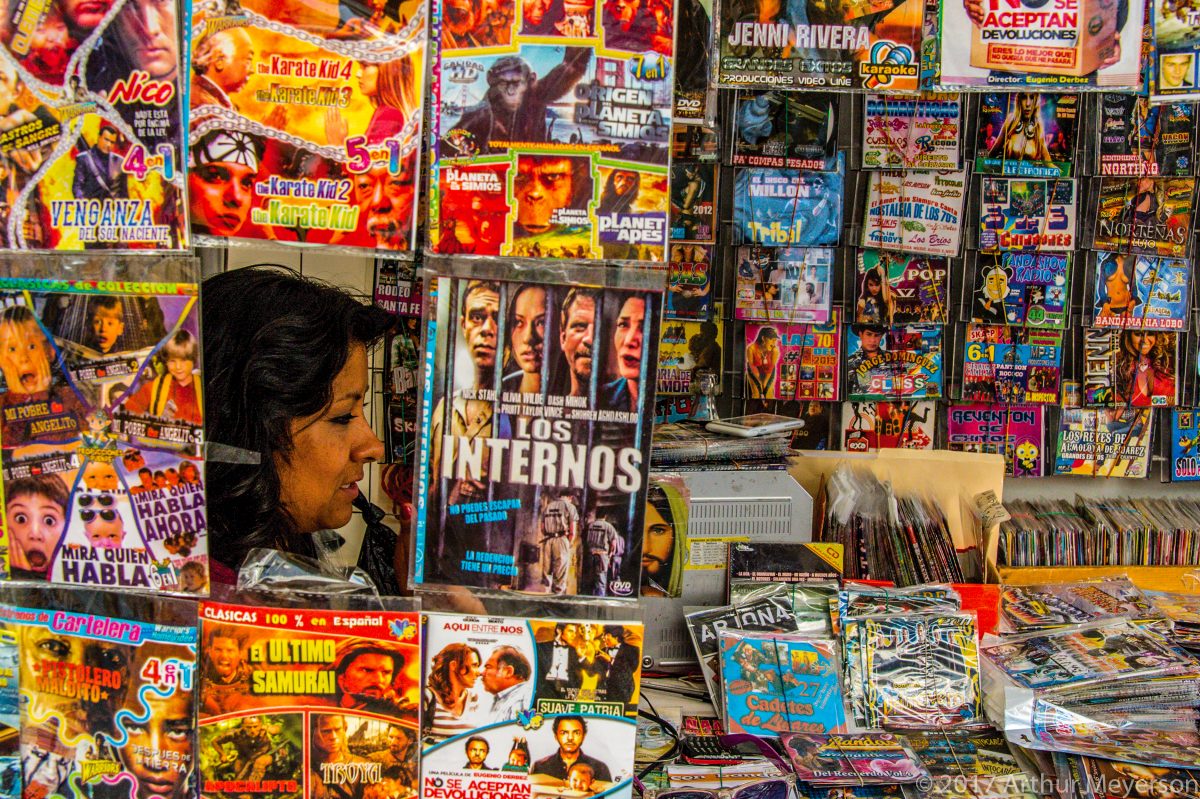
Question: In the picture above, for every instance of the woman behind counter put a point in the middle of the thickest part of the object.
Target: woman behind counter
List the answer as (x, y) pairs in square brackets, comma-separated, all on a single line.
[(285, 372)]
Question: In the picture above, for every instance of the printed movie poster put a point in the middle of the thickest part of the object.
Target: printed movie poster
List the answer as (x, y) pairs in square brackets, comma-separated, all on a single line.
[(784, 130), (788, 207), (1176, 50), (686, 347), (785, 284), (909, 211), (554, 119), (305, 120), (1104, 442), (1141, 291), (548, 708), (1007, 365), (847, 44), (91, 132), (102, 432), (1022, 288), (789, 361), (1092, 44), (105, 700), (695, 95), (1145, 215), (399, 290), (308, 703), (872, 426), (1030, 214), (913, 131), (1137, 368), (896, 289), (1017, 432), (694, 201), (894, 363), (537, 399), (689, 281), (1138, 139), (1185, 436), (1027, 134)]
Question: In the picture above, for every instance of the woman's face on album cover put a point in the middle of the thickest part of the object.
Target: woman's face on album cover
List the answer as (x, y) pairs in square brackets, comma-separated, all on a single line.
[(330, 450), (627, 339)]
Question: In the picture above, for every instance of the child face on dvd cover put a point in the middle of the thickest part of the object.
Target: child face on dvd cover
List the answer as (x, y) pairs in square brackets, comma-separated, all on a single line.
[(36, 515), (329, 453), (25, 353)]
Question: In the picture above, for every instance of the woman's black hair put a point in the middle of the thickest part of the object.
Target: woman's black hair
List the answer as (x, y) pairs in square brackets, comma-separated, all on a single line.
[(273, 343)]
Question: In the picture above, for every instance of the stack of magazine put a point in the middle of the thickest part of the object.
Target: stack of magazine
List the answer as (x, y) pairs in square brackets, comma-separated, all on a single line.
[(1101, 532), (680, 444), (902, 539)]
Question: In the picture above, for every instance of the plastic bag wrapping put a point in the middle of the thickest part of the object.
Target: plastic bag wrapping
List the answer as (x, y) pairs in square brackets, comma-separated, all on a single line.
[(270, 571), (1110, 689)]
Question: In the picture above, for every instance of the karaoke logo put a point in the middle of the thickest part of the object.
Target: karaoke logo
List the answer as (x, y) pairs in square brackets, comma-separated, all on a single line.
[(887, 60)]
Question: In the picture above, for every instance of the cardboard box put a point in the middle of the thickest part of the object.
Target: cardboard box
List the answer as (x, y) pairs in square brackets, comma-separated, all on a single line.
[(1063, 37)]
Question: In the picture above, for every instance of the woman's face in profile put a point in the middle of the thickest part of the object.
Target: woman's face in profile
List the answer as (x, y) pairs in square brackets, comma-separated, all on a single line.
[(318, 481)]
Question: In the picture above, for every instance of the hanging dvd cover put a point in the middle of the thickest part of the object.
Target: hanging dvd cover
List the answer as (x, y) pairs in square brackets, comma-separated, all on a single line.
[(689, 281), (1022, 289), (788, 207), (1139, 139), (93, 139), (784, 130), (1022, 43), (548, 709), (1145, 215), (304, 702), (1026, 134), (1130, 368), (1185, 438), (305, 121), (107, 693), (693, 201), (913, 132), (1141, 291), (894, 363), (917, 212), (848, 45), (793, 361), (695, 96), (1014, 431), (537, 397), (1011, 365), (102, 432), (1104, 442), (785, 284), (1174, 55), (896, 289), (686, 347), (1027, 214), (554, 119), (872, 426)]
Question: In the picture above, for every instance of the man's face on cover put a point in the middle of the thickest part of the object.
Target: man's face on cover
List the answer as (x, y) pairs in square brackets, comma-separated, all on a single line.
[(570, 736), (369, 674), (480, 323), (576, 338), (159, 750), (535, 10), (477, 752), (870, 339), (24, 359), (1175, 69), (221, 193), (147, 29), (659, 541), (84, 15), (542, 187), (331, 735), (225, 656), (387, 200)]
